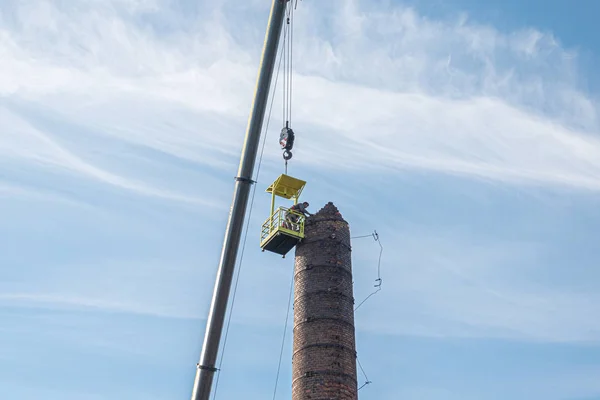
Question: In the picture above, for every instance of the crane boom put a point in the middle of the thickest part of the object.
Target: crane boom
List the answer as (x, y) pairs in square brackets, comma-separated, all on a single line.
[(214, 326)]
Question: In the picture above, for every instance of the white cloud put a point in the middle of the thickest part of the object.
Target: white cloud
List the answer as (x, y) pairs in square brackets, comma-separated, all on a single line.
[(386, 90)]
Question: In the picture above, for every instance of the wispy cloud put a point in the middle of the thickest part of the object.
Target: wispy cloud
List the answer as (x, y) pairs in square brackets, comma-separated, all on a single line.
[(66, 302), (22, 142), (451, 285), (509, 110)]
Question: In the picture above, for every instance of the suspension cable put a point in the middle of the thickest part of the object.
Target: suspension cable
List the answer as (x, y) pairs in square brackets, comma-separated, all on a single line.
[(291, 72), (284, 78), (286, 138)]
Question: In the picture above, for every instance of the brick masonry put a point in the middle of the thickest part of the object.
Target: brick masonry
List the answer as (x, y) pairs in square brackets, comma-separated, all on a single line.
[(324, 352)]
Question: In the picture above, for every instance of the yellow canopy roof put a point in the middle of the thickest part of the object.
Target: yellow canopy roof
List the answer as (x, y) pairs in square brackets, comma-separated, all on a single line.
[(287, 187)]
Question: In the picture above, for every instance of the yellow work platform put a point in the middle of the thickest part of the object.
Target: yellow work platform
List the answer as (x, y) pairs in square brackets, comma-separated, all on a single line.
[(284, 228)]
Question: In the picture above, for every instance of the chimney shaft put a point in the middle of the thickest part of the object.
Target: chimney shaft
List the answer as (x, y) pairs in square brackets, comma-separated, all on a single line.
[(324, 352)]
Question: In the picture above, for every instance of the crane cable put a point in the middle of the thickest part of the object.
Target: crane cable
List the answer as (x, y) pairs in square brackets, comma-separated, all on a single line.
[(286, 137), (286, 140)]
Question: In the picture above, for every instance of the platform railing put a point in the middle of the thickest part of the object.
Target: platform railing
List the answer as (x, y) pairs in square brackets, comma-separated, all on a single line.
[(279, 222)]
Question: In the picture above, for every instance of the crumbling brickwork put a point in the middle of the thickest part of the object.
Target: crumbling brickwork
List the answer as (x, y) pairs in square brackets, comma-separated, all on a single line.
[(324, 353)]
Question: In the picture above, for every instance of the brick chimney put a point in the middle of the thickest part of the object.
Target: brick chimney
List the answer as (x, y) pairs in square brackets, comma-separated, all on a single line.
[(324, 353)]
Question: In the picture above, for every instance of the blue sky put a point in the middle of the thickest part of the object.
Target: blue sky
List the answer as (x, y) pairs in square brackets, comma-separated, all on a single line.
[(467, 135)]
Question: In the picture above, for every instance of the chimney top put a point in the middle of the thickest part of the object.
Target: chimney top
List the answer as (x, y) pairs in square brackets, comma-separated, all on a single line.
[(329, 212)]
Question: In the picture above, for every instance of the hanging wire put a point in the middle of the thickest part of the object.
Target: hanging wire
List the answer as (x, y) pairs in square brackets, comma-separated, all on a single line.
[(367, 381), (287, 316), (377, 285), (363, 236), (378, 281), (266, 131)]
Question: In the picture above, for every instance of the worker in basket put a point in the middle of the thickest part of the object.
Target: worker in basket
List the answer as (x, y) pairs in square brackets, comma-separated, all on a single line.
[(291, 220)]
